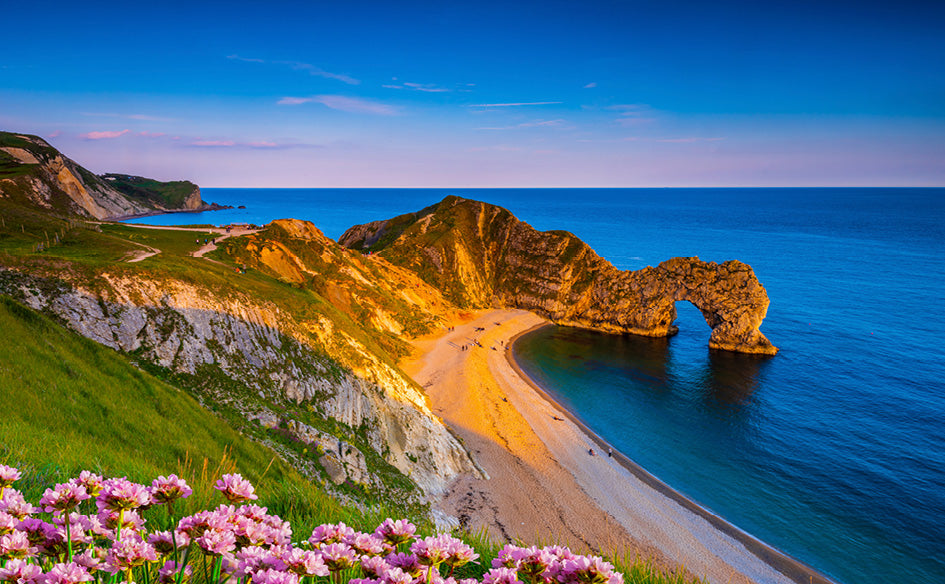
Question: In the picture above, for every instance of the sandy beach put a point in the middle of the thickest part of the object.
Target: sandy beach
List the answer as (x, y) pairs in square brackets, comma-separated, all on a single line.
[(544, 484)]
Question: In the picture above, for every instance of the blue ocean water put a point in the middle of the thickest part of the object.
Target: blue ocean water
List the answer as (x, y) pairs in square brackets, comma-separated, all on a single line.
[(833, 450)]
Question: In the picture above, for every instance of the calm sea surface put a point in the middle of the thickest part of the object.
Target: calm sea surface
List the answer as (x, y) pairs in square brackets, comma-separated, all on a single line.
[(833, 450)]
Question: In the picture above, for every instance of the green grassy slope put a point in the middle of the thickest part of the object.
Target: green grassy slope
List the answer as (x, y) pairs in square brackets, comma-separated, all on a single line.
[(71, 404), (170, 195)]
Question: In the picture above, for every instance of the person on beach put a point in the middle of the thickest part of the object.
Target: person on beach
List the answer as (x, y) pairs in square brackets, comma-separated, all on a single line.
[(590, 451)]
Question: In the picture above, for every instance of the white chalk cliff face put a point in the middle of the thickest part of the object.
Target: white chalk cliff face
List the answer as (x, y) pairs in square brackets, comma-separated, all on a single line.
[(275, 359)]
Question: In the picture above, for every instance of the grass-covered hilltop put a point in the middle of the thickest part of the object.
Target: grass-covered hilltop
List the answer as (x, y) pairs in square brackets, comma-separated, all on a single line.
[(272, 354)]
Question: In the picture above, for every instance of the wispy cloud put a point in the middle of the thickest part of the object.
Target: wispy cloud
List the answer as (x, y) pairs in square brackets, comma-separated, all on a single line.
[(152, 134), (633, 113), (344, 103), (557, 123), (295, 100), (244, 59), (104, 135), (515, 104), (55, 134), (591, 85), (425, 87), (213, 143), (301, 66)]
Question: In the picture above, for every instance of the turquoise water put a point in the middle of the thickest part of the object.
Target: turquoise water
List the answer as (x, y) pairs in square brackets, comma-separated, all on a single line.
[(833, 450)]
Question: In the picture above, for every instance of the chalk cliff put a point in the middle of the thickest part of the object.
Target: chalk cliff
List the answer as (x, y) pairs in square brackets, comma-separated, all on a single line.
[(480, 255), (266, 365)]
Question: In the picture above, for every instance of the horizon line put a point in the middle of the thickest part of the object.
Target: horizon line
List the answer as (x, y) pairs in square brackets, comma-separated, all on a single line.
[(591, 187)]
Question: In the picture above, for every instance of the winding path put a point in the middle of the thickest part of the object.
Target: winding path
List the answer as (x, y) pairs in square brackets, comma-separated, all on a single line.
[(198, 253)]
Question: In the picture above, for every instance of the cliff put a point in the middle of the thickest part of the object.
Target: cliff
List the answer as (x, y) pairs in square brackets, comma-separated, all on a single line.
[(173, 195), (480, 255), (35, 174)]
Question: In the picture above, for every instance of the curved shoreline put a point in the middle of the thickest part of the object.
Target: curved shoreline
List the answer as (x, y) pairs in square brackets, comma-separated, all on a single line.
[(792, 568)]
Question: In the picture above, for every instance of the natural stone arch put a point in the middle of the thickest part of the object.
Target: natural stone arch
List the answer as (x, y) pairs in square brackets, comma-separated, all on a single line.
[(729, 296)]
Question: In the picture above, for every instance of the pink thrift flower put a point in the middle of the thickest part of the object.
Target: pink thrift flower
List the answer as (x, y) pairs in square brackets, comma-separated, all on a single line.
[(305, 563), (215, 542), (70, 573), (170, 488), (328, 533), (89, 560), (275, 577), (79, 527), (533, 561), (397, 576), (460, 554), (8, 476), (396, 532), (19, 571), (432, 551), (366, 544), (16, 545), (508, 557), (63, 498), (338, 556), (500, 576), (7, 522), (130, 551), (109, 519), (122, 495), (587, 570), (374, 567), (92, 482), (15, 504), (406, 562), (235, 488)]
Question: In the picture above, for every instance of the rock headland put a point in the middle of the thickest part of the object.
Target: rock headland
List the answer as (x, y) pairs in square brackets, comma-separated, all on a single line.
[(479, 255)]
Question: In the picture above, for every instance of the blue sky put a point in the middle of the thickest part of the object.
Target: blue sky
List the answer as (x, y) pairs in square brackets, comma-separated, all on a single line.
[(485, 93)]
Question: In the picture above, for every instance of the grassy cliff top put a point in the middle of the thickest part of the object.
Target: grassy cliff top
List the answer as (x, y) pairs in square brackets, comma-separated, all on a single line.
[(170, 195)]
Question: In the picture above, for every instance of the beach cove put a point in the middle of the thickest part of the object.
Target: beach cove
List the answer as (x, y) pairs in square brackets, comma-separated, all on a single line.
[(552, 480)]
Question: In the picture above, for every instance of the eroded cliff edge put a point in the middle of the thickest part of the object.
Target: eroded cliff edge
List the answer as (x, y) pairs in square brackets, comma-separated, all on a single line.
[(480, 255)]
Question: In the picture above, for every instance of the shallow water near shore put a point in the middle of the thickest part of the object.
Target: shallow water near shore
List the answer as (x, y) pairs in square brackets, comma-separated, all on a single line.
[(833, 450)]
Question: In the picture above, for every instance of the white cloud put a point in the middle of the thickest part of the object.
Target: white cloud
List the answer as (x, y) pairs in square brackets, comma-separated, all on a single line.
[(557, 123), (213, 143), (104, 135), (591, 85), (301, 66), (516, 104), (344, 103)]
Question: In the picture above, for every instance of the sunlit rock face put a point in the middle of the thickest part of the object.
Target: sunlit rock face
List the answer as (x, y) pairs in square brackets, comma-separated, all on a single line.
[(480, 255)]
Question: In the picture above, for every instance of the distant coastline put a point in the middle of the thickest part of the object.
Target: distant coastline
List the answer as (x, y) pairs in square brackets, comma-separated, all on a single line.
[(783, 563), (210, 207)]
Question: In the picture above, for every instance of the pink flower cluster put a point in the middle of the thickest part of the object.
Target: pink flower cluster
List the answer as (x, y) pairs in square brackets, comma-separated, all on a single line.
[(242, 543), (547, 565)]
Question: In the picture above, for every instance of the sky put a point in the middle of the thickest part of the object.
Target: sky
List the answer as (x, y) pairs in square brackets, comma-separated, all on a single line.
[(484, 94)]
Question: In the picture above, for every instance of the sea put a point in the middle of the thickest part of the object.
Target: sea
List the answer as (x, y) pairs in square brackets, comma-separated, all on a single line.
[(833, 450)]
